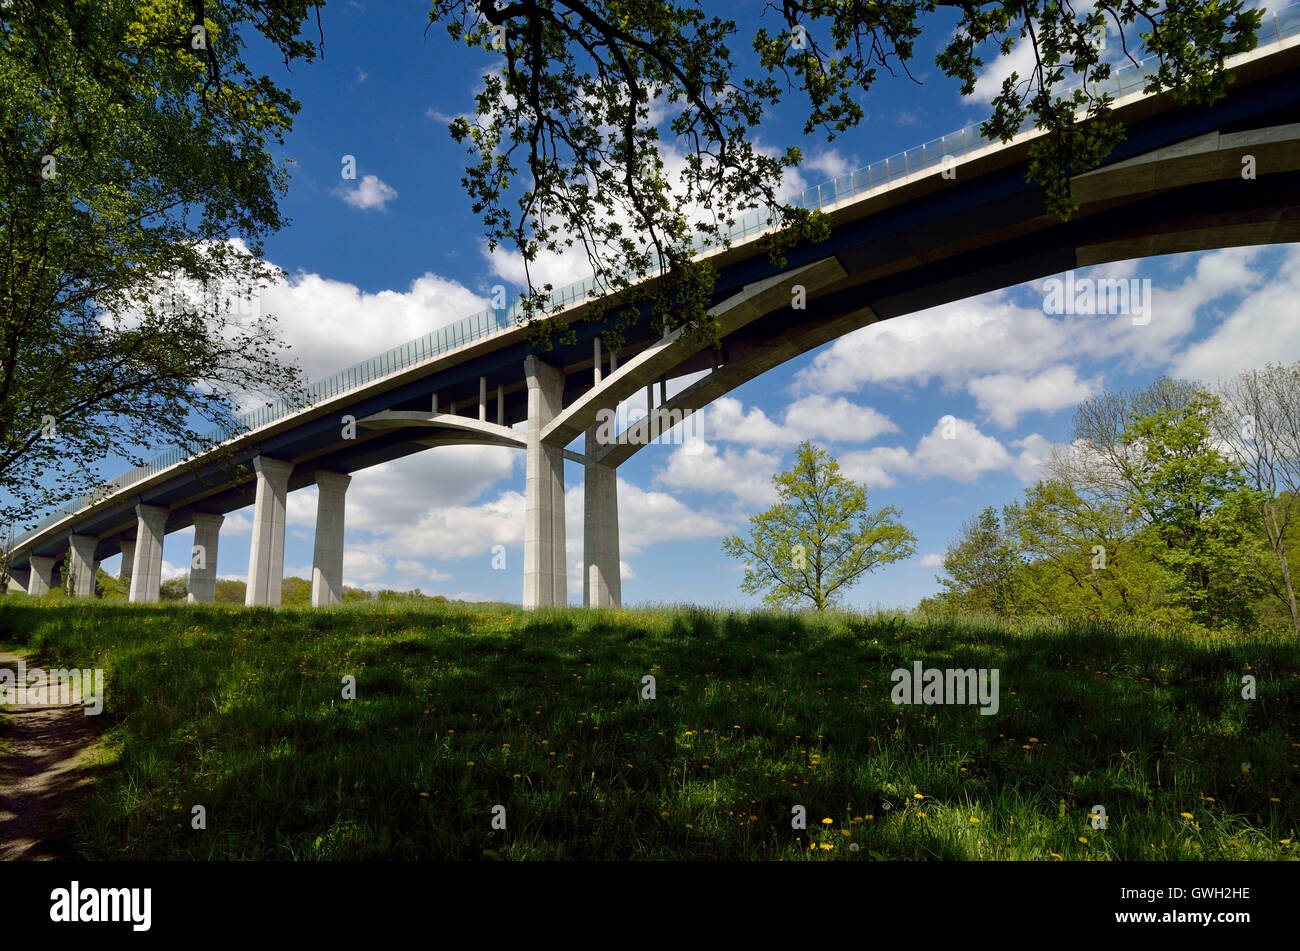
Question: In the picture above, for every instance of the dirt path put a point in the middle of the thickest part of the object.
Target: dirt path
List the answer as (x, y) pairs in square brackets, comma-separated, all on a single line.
[(44, 775)]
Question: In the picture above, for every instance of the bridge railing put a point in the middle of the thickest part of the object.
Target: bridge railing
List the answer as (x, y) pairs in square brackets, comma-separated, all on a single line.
[(1276, 26)]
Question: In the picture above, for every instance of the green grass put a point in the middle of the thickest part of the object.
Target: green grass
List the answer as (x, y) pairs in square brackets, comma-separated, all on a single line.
[(460, 709)]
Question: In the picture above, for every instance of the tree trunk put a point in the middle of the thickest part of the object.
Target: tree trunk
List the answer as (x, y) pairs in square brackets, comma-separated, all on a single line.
[(1278, 544)]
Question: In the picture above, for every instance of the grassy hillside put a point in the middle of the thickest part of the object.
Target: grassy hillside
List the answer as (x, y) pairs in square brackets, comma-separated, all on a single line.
[(461, 709)]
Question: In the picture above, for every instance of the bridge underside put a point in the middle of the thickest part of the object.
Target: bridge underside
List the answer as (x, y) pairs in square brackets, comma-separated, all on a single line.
[(1176, 185)]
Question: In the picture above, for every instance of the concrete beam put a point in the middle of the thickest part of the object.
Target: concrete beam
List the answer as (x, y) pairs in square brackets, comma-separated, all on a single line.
[(327, 558), (146, 567), (42, 576), (663, 356), (266, 557), (203, 559), (545, 581), (403, 419), (1206, 158), (81, 564), (758, 360)]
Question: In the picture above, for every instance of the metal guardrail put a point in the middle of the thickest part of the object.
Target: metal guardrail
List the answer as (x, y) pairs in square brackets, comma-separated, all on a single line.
[(1283, 24)]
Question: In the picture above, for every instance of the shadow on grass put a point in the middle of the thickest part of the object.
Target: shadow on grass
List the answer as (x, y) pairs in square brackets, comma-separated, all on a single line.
[(460, 710)]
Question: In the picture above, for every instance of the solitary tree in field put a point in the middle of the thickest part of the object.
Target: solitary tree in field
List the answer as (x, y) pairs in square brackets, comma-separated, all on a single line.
[(820, 538)]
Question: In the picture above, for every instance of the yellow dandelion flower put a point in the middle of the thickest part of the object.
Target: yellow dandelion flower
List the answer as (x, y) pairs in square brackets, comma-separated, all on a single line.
[(1083, 839), (974, 820), (1185, 815), (827, 822), (917, 796), (826, 846)]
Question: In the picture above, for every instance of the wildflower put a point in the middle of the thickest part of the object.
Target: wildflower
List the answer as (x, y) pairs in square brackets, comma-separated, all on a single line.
[(1083, 839)]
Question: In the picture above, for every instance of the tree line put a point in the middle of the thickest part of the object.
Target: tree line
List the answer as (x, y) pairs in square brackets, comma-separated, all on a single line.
[(1177, 502)]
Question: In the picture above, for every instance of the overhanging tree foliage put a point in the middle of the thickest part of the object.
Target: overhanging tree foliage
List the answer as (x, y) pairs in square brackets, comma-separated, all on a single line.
[(135, 147), (567, 142)]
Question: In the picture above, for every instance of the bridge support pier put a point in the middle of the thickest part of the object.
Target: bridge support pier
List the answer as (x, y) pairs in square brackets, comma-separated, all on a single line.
[(128, 559), (601, 584), (146, 567), (327, 559), (203, 575), (266, 555), (42, 577), (82, 564), (545, 581)]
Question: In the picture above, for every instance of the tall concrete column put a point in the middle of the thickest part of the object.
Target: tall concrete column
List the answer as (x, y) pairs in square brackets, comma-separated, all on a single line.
[(42, 579), (203, 558), (601, 585), (146, 567), (266, 557), (82, 564), (327, 560), (544, 558), (128, 559)]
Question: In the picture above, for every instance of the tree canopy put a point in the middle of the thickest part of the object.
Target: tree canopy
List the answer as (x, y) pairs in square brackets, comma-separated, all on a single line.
[(137, 182), (820, 538), (1174, 502)]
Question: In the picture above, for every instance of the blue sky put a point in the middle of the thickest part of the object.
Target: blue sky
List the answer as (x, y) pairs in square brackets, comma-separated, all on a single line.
[(397, 252)]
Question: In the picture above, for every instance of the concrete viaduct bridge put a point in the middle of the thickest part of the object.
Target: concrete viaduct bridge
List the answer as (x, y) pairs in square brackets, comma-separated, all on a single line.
[(941, 222)]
